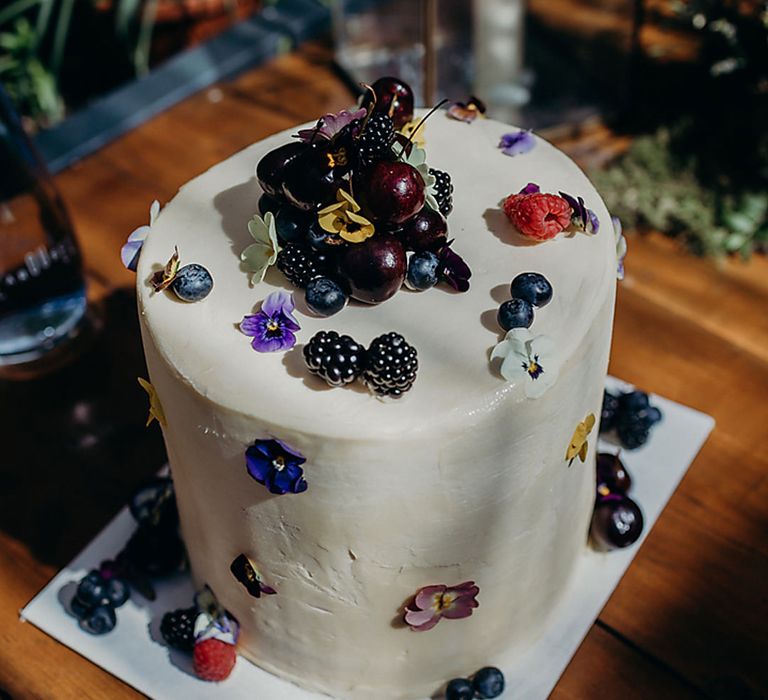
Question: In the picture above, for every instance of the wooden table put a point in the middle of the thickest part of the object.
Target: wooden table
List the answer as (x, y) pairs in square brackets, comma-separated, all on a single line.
[(689, 618)]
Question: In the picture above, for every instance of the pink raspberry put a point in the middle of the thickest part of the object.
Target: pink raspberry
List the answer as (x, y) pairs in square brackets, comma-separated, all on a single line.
[(539, 216)]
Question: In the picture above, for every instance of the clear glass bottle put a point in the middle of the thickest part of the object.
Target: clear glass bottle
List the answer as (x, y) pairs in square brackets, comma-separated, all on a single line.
[(42, 292)]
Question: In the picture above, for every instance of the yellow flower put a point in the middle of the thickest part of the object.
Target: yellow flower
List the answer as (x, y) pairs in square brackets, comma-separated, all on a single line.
[(155, 407), (344, 220), (578, 447), (162, 279), (414, 130)]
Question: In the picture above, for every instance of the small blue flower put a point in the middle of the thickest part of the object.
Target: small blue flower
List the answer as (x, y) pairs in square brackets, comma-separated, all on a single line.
[(621, 247), (273, 327), (131, 250), (277, 466), (517, 143)]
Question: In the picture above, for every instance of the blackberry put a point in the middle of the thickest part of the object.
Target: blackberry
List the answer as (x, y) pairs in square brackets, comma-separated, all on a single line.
[(633, 430), (300, 265), (336, 358), (177, 628), (443, 190), (375, 141), (392, 365), (609, 412)]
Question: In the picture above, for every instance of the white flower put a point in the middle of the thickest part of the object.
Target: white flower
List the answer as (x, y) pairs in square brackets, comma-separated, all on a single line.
[(130, 251), (621, 247), (258, 256), (529, 359)]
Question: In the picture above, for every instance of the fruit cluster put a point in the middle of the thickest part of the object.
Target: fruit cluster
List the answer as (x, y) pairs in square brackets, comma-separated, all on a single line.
[(488, 682), (631, 415), (529, 290), (96, 599), (617, 520), (349, 207), (388, 367)]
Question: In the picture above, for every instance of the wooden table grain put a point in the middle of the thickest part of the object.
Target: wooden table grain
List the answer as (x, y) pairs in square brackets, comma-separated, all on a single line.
[(689, 618)]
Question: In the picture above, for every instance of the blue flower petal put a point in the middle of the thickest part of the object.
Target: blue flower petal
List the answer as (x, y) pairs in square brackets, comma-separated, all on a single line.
[(517, 143)]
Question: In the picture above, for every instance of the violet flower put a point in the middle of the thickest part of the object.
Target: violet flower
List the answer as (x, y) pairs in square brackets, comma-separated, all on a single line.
[(621, 247), (273, 327), (433, 603), (530, 188), (245, 571), (213, 621), (583, 218), (277, 466), (330, 124), (517, 143), (453, 269), (131, 249)]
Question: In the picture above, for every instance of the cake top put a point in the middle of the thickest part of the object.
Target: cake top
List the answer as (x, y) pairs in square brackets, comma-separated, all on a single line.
[(454, 333)]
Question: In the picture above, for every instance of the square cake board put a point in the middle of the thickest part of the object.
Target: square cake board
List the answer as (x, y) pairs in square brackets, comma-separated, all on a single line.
[(135, 652)]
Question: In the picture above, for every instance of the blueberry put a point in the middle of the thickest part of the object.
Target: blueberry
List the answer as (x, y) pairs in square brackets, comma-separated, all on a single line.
[(515, 313), (459, 689), (92, 590), (193, 283), (652, 415), (80, 609), (532, 287), (488, 682), (609, 412), (325, 296), (633, 401), (118, 591), (323, 241), (633, 430), (268, 203), (293, 224), (422, 271), (102, 619)]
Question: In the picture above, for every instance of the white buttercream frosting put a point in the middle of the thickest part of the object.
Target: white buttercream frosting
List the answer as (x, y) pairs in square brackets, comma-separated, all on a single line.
[(464, 478)]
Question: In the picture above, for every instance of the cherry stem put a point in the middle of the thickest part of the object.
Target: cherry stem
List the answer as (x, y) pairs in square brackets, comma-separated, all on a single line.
[(421, 123), (373, 106)]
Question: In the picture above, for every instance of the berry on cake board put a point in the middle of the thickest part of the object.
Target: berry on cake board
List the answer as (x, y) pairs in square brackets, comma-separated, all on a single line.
[(631, 416), (338, 359)]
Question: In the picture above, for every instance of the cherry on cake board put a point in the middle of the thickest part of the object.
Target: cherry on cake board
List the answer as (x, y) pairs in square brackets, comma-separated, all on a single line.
[(135, 652)]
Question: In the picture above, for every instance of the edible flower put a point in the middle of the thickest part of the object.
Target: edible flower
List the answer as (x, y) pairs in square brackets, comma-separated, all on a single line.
[(529, 359), (344, 220), (245, 571), (579, 446), (277, 466), (272, 328), (621, 247), (213, 621), (433, 603), (329, 125), (466, 112), (162, 279), (131, 249), (452, 268), (582, 218), (258, 256), (517, 142), (155, 407)]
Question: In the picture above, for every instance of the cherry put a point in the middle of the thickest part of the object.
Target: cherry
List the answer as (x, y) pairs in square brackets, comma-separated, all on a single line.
[(428, 230), (391, 192), (271, 168), (617, 522), (393, 97), (612, 476), (311, 180), (375, 269)]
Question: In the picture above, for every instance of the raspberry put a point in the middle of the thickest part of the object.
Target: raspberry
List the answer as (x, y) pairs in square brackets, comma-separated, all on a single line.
[(392, 365), (336, 358), (375, 141), (443, 190), (539, 216), (213, 659), (300, 265), (177, 628)]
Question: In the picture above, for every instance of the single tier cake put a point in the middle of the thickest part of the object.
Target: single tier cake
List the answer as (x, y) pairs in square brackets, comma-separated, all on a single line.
[(418, 538)]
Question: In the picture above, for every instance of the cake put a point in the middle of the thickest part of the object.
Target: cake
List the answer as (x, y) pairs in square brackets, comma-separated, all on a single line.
[(469, 486)]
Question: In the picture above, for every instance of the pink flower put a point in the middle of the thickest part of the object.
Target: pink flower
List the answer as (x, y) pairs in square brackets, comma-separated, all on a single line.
[(539, 216), (432, 603)]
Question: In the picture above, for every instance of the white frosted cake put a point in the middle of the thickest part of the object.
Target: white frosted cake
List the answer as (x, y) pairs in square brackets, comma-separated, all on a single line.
[(466, 478)]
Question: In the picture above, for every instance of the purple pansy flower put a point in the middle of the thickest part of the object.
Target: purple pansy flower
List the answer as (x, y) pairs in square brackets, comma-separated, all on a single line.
[(131, 250), (621, 247), (530, 188), (584, 218), (453, 269), (245, 571), (517, 142), (433, 603), (330, 124), (277, 466), (273, 327), (213, 621)]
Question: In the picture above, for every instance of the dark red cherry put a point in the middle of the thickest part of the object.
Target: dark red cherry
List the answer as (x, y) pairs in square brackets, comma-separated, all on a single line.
[(617, 522), (271, 168), (393, 97), (428, 230), (375, 269), (391, 192), (311, 180), (612, 476)]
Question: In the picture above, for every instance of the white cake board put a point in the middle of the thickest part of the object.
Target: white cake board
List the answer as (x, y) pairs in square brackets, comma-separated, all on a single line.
[(135, 653)]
